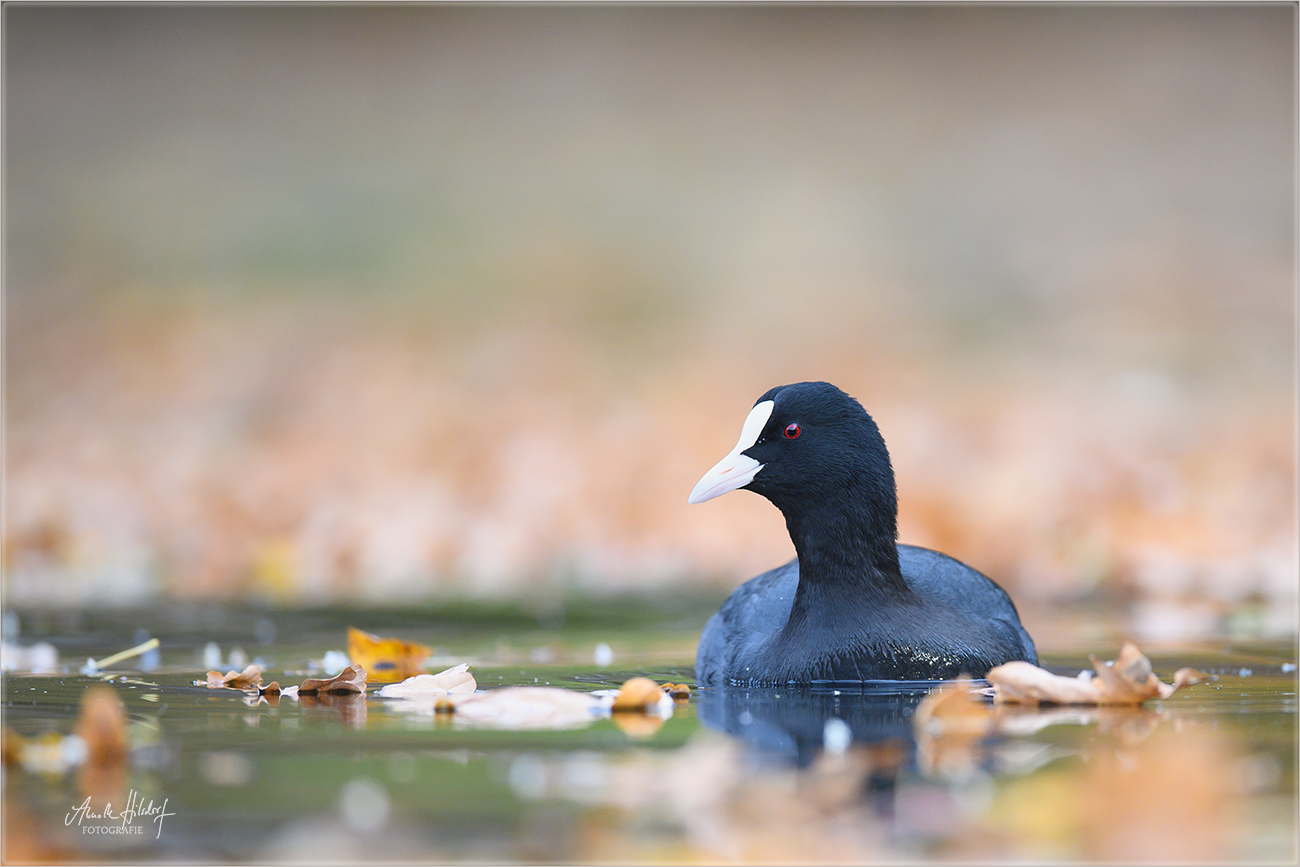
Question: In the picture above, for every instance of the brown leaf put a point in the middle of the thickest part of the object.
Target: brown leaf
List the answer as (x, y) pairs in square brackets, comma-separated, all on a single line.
[(347, 708), (102, 726), (1129, 680), (678, 691), (639, 693), (11, 747), (349, 681), (951, 724), (386, 659), (953, 709), (249, 678)]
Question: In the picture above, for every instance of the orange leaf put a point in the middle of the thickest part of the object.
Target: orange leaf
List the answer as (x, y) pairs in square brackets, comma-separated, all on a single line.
[(639, 693), (951, 724), (349, 681), (387, 659), (678, 691), (953, 709)]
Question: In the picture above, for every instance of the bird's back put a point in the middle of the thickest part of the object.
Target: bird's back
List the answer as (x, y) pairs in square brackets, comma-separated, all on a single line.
[(961, 621)]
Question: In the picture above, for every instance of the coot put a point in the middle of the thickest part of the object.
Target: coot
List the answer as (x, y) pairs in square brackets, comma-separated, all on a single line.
[(853, 605)]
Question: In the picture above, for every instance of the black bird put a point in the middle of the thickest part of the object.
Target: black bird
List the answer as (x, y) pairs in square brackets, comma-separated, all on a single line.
[(853, 605)]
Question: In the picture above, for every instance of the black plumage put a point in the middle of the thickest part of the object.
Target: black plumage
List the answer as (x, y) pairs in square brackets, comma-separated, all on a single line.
[(853, 605)]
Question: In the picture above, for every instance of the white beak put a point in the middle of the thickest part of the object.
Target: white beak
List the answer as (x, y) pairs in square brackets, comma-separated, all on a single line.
[(735, 470)]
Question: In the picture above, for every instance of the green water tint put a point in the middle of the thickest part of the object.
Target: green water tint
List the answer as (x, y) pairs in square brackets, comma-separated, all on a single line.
[(739, 775)]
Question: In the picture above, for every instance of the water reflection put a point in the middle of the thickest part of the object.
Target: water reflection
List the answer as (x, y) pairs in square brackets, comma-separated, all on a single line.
[(792, 725), (347, 709)]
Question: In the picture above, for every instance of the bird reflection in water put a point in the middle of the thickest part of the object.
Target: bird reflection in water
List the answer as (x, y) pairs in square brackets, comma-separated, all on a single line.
[(794, 726)]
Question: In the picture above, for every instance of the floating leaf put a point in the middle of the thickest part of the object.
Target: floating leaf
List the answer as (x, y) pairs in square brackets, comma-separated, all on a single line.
[(639, 693), (456, 680), (249, 678), (528, 707), (678, 691), (349, 681), (1128, 680), (386, 659)]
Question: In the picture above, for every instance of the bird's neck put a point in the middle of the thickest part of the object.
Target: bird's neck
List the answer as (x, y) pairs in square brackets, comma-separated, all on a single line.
[(847, 559)]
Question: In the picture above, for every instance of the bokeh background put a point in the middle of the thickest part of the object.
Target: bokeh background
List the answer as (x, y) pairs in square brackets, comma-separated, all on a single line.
[(308, 305)]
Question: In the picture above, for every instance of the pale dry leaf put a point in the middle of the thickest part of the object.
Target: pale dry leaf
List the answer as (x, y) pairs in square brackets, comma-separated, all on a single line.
[(1025, 683), (1129, 680), (454, 681), (528, 707)]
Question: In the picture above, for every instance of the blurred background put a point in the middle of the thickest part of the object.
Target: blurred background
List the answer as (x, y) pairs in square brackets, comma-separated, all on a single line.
[(308, 305)]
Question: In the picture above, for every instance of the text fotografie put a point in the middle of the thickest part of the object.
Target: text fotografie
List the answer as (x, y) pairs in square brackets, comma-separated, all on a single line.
[(136, 808)]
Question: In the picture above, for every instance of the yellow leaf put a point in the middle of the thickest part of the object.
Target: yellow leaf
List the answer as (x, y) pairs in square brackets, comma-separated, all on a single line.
[(386, 659)]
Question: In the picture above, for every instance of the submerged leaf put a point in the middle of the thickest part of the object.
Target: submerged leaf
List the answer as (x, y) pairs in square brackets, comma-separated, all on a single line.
[(454, 680), (386, 659), (350, 681), (951, 724), (102, 726), (249, 678), (952, 709), (1128, 680)]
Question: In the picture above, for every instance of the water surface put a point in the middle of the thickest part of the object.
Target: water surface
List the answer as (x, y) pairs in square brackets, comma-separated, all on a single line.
[(753, 775)]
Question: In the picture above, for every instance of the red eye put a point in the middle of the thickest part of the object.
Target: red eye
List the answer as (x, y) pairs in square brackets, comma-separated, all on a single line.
[(791, 431)]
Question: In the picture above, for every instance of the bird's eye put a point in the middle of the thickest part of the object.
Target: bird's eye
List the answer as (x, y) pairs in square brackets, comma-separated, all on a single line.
[(792, 430)]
